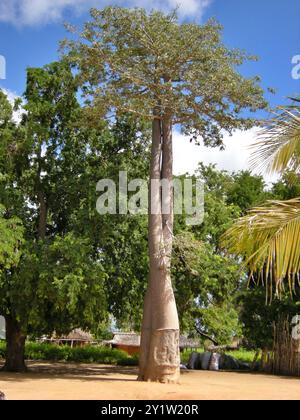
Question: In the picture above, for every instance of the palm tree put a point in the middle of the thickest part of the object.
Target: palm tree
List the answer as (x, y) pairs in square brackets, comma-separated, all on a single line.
[(268, 237)]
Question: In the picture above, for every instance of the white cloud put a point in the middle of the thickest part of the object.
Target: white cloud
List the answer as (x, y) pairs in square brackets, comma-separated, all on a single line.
[(11, 96), (37, 12), (235, 157)]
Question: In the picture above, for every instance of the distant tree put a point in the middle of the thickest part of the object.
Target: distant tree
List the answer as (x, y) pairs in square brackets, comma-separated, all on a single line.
[(219, 214), (284, 189), (151, 66), (247, 191), (206, 286), (258, 319)]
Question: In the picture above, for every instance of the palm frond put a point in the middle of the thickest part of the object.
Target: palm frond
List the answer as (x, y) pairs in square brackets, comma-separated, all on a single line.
[(269, 240), (277, 148)]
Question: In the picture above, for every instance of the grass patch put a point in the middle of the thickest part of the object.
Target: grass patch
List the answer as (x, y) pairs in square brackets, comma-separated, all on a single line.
[(185, 355), (243, 355), (87, 354)]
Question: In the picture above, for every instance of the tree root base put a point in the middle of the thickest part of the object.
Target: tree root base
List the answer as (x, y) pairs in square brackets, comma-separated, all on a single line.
[(22, 369)]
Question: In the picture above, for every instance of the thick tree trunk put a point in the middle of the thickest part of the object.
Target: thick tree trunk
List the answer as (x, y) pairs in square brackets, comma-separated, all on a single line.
[(159, 360), (15, 347)]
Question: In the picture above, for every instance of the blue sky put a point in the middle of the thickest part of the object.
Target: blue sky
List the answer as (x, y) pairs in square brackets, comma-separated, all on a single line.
[(268, 28), (30, 31)]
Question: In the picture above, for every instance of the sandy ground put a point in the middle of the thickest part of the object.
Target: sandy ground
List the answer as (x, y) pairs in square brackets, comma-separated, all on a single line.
[(61, 381)]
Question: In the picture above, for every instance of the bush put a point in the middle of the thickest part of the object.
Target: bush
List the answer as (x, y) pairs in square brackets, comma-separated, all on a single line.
[(87, 354), (2, 349)]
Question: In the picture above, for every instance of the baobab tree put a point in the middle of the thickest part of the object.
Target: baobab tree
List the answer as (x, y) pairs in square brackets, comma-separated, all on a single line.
[(151, 66)]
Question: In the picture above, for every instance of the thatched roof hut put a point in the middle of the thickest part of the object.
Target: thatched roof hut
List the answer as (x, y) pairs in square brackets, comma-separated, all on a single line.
[(76, 338), (129, 342), (188, 343)]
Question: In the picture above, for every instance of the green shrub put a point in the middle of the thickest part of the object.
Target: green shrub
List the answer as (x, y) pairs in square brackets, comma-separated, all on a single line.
[(242, 355), (129, 360), (2, 349), (87, 354)]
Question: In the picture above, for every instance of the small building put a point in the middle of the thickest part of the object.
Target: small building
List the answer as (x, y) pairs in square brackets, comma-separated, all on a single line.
[(130, 342), (76, 338)]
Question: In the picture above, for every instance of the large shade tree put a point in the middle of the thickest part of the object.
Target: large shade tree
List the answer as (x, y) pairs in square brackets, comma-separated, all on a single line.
[(51, 278), (156, 68), (62, 266)]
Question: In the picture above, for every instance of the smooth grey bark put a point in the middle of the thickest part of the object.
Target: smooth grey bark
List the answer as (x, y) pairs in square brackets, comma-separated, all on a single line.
[(159, 359)]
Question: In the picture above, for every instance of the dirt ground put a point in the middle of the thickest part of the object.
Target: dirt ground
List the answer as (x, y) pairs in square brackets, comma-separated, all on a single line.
[(61, 381)]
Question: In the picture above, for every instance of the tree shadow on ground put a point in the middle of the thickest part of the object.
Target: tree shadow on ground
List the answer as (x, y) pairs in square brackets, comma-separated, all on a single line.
[(72, 371), (83, 372)]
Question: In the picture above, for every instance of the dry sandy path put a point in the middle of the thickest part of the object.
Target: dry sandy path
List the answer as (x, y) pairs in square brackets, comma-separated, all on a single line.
[(50, 381)]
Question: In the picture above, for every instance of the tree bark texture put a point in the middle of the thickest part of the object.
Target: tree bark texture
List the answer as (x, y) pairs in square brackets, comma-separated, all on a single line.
[(15, 347), (159, 356)]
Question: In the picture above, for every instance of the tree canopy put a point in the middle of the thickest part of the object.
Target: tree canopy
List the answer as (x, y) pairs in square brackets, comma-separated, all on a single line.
[(131, 61)]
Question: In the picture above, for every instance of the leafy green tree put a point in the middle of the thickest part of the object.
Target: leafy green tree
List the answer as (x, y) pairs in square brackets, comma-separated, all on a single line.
[(247, 191), (219, 214), (76, 266), (284, 189), (121, 238), (152, 67), (11, 234), (58, 282), (206, 284), (258, 318)]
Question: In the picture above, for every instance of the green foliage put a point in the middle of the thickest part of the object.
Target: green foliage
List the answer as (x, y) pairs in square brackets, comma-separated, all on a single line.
[(87, 354), (247, 190), (148, 65), (86, 267), (58, 272), (205, 280), (11, 238), (218, 212), (284, 189), (258, 317), (131, 61), (277, 148), (205, 285), (103, 355), (268, 236), (77, 268), (221, 322)]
